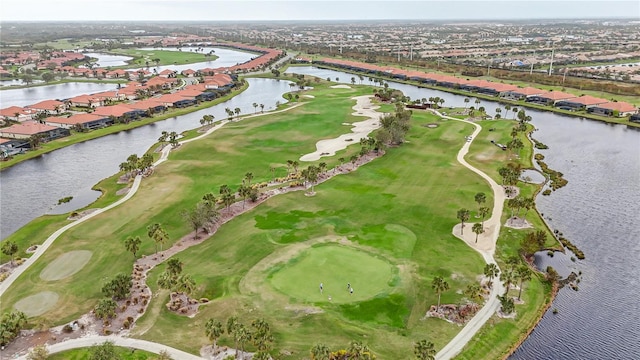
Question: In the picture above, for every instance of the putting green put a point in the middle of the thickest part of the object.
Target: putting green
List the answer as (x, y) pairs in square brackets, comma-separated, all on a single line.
[(334, 266), (37, 304), (66, 265)]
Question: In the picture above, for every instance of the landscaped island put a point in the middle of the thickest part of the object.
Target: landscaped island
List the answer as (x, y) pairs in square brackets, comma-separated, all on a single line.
[(362, 261)]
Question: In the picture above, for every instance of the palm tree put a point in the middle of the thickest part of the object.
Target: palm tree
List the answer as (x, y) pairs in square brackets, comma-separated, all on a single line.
[(157, 234), (441, 102), (507, 108), (466, 101), (439, 285), (185, 284), (213, 329), (243, 335), (248, 177), (523, 274), (480, 198), (463, 215), (508, 277), (491, 271), (237, 112), (320, 352), (262, 108), (133, 245), (483, 211), (477, 229), (424, 350), (9, 248), (473, 292)]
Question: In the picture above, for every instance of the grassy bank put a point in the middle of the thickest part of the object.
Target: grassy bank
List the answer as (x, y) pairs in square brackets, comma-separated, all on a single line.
[(159, 57)]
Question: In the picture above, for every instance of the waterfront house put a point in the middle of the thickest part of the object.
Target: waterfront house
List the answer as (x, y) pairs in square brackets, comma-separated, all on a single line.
[(29, 128), (549, 98), (579, 103), (85, 101), (17, 113), (150, 106), (84, 121), (635, 118), (48, 107), (166, 73), (116, 74), (176, 100), (10, 147), (522, 93), (620, 109), (119, 112), (188, 73)]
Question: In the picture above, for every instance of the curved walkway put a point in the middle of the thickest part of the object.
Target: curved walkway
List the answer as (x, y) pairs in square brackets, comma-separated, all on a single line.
[(486, 246), (118, 341)]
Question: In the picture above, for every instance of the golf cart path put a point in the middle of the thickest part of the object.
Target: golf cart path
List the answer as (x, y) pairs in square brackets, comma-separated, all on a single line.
[(486, 246), (89, 341)]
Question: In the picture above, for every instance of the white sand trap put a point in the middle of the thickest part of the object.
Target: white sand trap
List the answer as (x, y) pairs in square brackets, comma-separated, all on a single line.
[(341, 86), (37, 304), (309, 96), (360, 130), (66, 265)]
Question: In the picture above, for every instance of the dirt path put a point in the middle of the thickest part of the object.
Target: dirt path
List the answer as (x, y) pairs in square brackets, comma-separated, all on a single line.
[(486, 246)]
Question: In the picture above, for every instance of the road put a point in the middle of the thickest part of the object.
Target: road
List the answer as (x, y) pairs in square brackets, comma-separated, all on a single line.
[(486, 246)]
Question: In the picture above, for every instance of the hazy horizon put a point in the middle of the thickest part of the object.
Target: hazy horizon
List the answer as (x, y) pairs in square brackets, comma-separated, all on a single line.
[(313, 10)]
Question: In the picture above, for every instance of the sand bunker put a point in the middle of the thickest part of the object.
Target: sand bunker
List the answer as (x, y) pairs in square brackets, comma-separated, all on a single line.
[(37, 304), (309, 96), (340, 87), (66, 265), (360, 130)]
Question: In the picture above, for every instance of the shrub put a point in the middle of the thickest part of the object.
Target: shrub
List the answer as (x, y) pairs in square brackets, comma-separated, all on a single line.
[(67, 329)]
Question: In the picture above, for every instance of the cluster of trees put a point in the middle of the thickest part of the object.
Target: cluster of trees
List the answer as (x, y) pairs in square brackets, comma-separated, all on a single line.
[(173, 279), (115, 289), (155, 232), (10, 326), (171, 137), (356, 350), (510, 174), (518, 203), (394, 126), (515, 272), (137, 164), (207, 120), (259, 334), (532, 242), (231, 113)]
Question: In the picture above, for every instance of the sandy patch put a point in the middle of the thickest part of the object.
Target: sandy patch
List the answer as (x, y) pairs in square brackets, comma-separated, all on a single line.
[(309, 96), (517, 223), (359, 130), (66, 265), (341, 86), (37, 304)]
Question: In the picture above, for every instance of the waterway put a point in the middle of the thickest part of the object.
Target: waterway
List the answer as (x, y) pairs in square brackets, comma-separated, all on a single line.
[(226, 58), (598, 211), (32, 188), (108, 60), (32, 95)]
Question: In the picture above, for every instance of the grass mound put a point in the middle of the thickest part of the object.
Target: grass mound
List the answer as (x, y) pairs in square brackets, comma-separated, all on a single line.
[(66, 265)]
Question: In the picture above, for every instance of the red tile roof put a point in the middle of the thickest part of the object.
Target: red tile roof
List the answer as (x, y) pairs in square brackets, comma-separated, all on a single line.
[(46, 105), (114, 110), (528, 91), (27, 128), (589, 100), (557, 95), (74, 119), (620, 106), (12, 110)]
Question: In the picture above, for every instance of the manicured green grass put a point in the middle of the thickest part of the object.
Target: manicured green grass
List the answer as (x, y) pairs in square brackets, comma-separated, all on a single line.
[(334, 266), (166, 57), (83, 354)]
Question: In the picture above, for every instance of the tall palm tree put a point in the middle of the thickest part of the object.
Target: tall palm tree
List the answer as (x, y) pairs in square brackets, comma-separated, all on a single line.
[(473, 291), (261, 108), (491, 271), (133, 245), (157, 234), (248, 177), (237, 111), (480, 198), (320, 352), (507, 108), (508, 277), (477, 229), (213, 330), (424, 350), (524, 274), (439, 285), (483, 211), (255, 108), (463, 215), (466, 101)]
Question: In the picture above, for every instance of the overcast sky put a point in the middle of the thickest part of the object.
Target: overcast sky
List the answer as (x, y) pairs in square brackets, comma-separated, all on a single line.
[(198, 10)]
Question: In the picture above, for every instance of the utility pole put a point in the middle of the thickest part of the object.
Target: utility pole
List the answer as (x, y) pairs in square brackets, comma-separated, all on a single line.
[(551, 63)]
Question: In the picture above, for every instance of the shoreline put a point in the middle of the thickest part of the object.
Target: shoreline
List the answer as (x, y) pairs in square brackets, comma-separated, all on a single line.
[(612, 120), (69, 140)]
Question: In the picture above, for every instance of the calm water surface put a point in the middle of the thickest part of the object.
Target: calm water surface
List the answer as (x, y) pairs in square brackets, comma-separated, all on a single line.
[(32, 95)]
